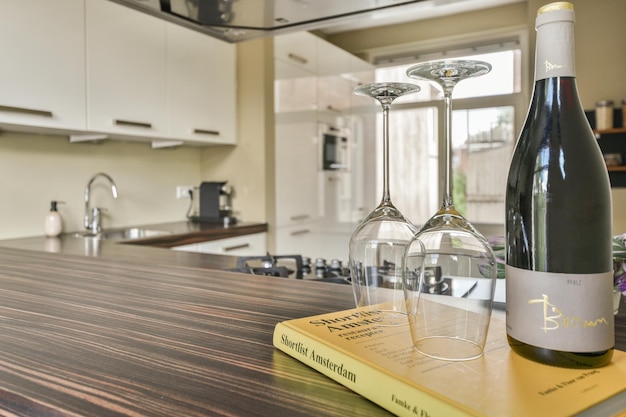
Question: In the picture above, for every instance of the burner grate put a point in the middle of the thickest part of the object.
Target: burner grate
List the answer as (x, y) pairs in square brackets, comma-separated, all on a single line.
[(270, 265)]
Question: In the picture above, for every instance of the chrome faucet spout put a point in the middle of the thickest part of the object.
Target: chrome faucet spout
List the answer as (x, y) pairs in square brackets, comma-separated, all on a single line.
[(90, 220)]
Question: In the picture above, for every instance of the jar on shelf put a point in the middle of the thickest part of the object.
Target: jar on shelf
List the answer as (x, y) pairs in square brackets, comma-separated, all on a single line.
[(604, 114)]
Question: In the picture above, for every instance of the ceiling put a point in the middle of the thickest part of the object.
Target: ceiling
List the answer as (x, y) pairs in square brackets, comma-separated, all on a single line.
[(240, 20), (420, 11)]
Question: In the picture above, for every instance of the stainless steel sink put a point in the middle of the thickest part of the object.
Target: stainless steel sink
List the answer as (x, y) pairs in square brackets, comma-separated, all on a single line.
[(124, 234)]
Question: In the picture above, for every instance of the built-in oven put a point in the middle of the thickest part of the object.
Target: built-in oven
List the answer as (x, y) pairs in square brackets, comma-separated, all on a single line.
[(335, 148)]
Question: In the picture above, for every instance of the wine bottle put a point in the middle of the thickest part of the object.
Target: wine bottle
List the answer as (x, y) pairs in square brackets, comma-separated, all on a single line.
[(558, 217)]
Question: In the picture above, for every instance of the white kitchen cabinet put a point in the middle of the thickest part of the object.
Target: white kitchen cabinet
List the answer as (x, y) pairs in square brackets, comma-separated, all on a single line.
[(201, 87), (335, 94), (303, 239), (338, 76), (126, 71), (42, 76), (332, 59), (95, 66), (295, 89), (297, 49), (311, 93), (297, 159), (246, 245)]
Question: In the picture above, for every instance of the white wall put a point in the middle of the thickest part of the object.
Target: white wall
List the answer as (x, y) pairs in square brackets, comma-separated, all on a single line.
[(249, 166), (35, 169)]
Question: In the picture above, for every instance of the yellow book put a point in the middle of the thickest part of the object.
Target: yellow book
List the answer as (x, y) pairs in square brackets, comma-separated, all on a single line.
[(380, 364)]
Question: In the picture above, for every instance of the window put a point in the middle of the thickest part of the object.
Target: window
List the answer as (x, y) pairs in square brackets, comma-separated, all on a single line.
[(483, 137)]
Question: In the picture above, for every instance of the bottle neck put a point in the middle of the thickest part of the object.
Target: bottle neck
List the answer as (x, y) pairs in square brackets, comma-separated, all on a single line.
[(554, 55)]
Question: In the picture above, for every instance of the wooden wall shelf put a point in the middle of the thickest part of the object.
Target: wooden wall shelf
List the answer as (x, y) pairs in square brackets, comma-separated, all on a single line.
[(615, 130)]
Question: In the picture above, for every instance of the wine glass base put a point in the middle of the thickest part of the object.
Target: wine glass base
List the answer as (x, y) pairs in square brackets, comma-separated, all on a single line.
[(387, 318), (447, 73), (448, 348)]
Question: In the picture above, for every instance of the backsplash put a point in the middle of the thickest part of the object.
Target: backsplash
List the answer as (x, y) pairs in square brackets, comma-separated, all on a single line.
[(35, 169)]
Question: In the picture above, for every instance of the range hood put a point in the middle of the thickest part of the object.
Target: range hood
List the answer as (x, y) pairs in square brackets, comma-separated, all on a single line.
[(239, 20)]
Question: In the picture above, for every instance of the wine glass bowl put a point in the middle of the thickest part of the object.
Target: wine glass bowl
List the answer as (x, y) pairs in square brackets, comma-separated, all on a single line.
[(377, 244), (449, 286), (449, 267)]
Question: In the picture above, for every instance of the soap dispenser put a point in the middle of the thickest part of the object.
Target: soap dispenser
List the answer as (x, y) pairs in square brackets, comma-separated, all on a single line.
[(54, 222)]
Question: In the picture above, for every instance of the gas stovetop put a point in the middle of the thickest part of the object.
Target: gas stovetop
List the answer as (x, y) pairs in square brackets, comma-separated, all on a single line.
[(294, 266)]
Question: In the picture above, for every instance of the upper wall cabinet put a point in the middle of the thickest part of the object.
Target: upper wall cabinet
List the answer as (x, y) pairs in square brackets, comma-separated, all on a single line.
[(42, 76), (154, 79), (299, 50), (126, 67), (202, 87), (95, 66), (313, 74), (295, 66)]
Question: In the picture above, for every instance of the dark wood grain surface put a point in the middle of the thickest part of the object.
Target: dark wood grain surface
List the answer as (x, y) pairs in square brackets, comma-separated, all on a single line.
[(83, 336), (95, 336), (174, 234), (153, 250), (183, 233)]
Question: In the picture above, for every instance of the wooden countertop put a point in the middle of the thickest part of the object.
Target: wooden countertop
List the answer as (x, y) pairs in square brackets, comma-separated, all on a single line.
[(183, 233), (91, 336), (153, 250), (103, 335)]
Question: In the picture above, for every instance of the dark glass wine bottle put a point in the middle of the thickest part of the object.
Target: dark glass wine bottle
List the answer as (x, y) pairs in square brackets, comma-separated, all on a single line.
[(558, 217)]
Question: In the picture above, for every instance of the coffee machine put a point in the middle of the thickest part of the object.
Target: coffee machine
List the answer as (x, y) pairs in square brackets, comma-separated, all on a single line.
[(215, 203)]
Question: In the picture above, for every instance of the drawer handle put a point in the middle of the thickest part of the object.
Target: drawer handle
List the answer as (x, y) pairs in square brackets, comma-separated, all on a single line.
[(34, 112), (231, 248), (120, 122), (300, 232), (300, 217), (207, 132), (298, 58)]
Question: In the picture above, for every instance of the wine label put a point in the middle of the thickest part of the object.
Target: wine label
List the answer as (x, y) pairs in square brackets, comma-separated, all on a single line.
[(566, 312)]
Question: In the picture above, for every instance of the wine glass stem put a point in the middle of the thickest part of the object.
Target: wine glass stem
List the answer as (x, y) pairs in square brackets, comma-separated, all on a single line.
[(447, 150), (386, 196)]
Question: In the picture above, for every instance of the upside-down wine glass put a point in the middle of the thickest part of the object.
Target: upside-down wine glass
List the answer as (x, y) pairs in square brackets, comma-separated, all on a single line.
[(449, 266), (377, 245)]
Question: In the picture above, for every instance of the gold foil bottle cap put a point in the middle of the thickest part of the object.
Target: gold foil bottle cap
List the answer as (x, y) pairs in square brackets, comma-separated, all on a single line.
[(559, 5)]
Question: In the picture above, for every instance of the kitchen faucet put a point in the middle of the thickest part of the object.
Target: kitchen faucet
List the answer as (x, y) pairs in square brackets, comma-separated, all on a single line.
[(92, 216)]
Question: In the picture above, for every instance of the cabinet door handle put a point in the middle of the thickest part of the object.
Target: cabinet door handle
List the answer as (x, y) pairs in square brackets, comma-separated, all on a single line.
[(34, 112), (300, 217), (120, 122), (207, 132), (235, 247), (298, 58), (300, 232)]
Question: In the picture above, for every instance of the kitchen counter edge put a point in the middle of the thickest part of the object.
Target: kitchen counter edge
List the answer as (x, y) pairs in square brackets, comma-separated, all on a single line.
[(151, 250)]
